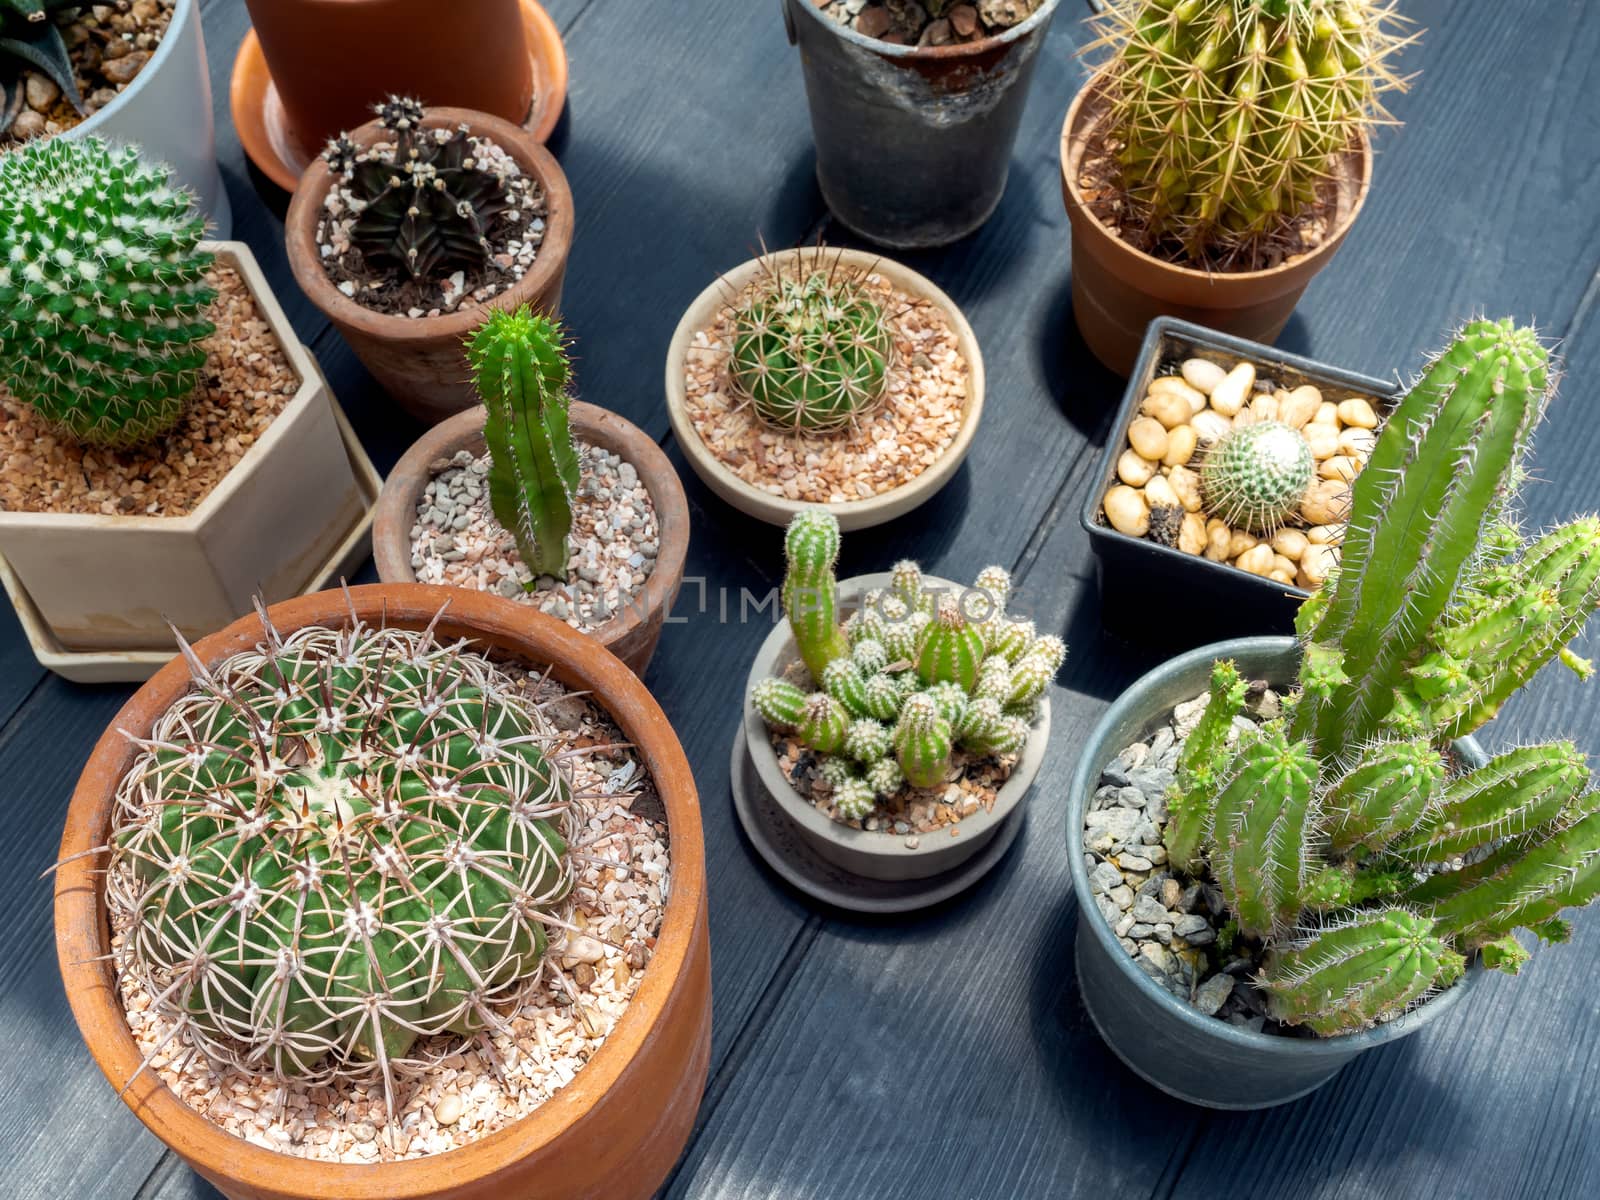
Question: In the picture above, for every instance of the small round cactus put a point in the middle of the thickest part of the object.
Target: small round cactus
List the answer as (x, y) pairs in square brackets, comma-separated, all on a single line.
[(811, 353), (103, 293), (1256, 476)]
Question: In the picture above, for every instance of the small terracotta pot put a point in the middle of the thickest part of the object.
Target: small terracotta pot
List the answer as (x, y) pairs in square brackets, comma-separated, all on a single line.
[(421, 361), (331, 60), (614, 1131), (633, 633), (1117, 289)]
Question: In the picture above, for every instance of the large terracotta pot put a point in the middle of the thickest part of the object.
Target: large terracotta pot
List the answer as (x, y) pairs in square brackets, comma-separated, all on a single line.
[(633, 633), (1117, 289), (421, 361), (331, 60), (615, 1131)]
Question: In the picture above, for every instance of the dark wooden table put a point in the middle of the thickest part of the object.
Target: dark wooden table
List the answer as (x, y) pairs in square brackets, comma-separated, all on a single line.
[(948, 1054)]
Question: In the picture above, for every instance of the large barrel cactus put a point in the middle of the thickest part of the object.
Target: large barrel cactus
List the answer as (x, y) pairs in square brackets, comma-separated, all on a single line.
[(336, 844)]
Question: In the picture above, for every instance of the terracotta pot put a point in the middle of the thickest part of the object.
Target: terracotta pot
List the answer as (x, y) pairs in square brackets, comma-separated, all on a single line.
[(332, 60), (1117, 289), (613, 1132), (421, 362), (633, 633)]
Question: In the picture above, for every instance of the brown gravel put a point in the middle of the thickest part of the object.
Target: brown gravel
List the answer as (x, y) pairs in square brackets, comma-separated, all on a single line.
[(904, 436), (246, 383)]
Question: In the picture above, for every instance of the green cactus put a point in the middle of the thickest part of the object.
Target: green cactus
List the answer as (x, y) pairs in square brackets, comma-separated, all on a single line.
[(1191, 799), (1262, 824), (103, 293), (810, 590), (812, 351), (1382, 795), (338, 843), (922, 741), (520, 370), (780, 704), (824, 723), (866, 740), (1229, 115), (885, 777), (1255, 477), (950, 649)]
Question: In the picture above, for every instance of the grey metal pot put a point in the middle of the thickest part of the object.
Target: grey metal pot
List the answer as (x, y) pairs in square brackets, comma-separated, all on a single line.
[(913, 142), (1162, 1039)]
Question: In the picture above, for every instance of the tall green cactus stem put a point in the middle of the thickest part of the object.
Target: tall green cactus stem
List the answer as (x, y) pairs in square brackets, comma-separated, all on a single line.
[(1352, 975), (1230, 114), (103, 293), (1440, 475), (951, 648), (1255, 477), (922, 741), (1199, 769), (1382, 795), (810, 591), (1261, 832), (780, 704), (1514, 793), (520, 370)]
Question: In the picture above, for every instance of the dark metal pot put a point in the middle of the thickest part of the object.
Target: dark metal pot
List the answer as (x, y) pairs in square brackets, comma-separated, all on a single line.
[(913, 143), (1163, 1040)]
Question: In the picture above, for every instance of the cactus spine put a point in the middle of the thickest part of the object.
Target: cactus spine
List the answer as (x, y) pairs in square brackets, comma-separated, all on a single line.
[(520, 370), (1255, 477)]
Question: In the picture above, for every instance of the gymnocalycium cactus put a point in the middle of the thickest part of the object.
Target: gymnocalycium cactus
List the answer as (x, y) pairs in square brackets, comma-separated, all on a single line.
[(1227, 116), (103, 293), (812, 350), (520, 369), (909, 679), (338, 843), (1342, 834), (1255, 477)]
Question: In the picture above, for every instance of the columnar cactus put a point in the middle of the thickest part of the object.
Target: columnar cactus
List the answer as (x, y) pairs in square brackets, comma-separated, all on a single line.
[(810, 589), (338, 843), (1199, 771), (520, 370), (1261, 832), (811, 352), (1227, 115), (103, 293), (1255, 477)]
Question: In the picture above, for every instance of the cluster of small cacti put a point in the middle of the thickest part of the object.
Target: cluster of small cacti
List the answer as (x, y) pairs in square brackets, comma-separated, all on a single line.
[(1227, 115), (905, 682), (520, 369), (812, 350), (30, 39), (103, 293), (1255, 477), (1348, 814), (424, 205), (336, 844)]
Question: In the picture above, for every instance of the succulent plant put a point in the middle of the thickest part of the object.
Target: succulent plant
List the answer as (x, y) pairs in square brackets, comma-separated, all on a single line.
[(1227, 115), (1255, 477), (1345, 834), (103, 293), (811, 351), (30, 39), (425, 206), (520, 369), (900, 690), (335, 844)]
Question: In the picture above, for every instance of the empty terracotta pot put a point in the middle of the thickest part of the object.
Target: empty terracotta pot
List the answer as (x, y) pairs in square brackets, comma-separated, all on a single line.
[(420, 361), (1117, 289), (612, 1133), (633, 632), (332, 60)]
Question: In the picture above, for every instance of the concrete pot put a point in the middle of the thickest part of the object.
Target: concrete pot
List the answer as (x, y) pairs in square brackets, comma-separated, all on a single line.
[(633, 633), (1117, 290), (267, 527), (775, 509), (167, 111), (1164, 1041), (615, 1131), (913, 142), (421, 362), (877, 855)]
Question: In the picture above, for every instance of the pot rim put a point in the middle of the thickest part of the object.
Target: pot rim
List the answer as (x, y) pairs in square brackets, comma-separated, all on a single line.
[(305, 260), (951, 53), (1085, 778), (82, 933), (165, 49), (1072, 137), (775, 509), (876, 842), (397, 503)]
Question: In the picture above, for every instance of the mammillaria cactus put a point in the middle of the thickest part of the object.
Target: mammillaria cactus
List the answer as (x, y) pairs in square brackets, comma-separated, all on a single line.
[(520, 370), (335, 844), (1256, 476), (1349, 815), (103, 293), (901, 691), (811, 352), (1227, 115)]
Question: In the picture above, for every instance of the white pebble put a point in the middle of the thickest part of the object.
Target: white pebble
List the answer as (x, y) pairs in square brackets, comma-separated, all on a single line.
[(1202, 375)]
